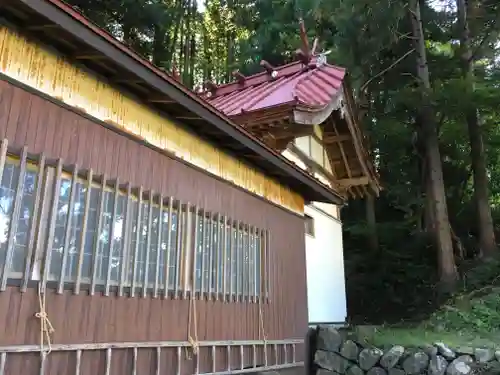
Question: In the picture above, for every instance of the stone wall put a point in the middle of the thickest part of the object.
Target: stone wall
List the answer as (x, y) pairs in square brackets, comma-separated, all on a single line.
[(333, 353)]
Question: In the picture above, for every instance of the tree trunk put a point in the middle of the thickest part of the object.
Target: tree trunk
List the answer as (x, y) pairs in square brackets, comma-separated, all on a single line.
[(158, 45), (446, 261), (371, 222), (487, 243)]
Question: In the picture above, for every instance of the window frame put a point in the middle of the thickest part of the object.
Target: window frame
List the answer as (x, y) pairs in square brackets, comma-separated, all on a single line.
[(59, 224)]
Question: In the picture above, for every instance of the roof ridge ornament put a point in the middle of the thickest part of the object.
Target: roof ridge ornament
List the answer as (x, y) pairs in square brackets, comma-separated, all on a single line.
[(321, 59), (305, 53), (269, 68)]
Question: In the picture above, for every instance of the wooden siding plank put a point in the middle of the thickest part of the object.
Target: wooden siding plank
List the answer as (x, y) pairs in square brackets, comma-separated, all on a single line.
[(6, 94), (186, 183)]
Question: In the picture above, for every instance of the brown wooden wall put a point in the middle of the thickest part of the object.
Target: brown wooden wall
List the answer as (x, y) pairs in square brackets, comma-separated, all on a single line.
[(27, 119)]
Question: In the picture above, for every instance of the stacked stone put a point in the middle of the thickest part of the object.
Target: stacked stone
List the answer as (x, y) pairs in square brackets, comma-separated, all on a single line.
[(336, 355)]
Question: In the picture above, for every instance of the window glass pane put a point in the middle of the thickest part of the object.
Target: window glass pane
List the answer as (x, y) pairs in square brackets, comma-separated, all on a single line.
[(8, 186), (57, 245), (167, 253), (24, 223), (220, 257), (134, 205), (90, 233), (206, 254), (140, 262), (153, 249), (245, 272), (173, 251), (118, 239), (234, 260), (258, 264), (251, 264), (103, 247), (228, 258), (239, 270), (71, 268), (199, 253), (213, 258)]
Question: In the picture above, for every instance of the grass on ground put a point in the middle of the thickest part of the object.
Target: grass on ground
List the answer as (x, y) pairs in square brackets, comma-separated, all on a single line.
[(471, 318)]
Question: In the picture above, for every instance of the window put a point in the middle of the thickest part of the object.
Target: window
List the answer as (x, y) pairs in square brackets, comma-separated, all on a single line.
[(228, 258), (309, 225), (72, 229)]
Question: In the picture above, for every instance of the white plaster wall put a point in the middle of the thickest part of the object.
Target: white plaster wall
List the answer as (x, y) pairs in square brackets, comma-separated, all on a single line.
[(326, 295)]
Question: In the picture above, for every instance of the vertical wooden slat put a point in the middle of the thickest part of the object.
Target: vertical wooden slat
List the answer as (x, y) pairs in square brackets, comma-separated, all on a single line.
[(108, 361), (43, 357), (16, 210), (228, 351), (245, 243), (179, 358), (294, 358), (126, 241), (266, 362), (137, 243), (78, 361), (214, 359), (210, 254), (256, 266), (239, 257), (232, 243), (158, 359), (276, 359), (178, 249), (285, 351), (185, 250), (217, 251), (33, 223), (225, 252), (197, 364), (158, 249), (134, 362), (268, 266), (3, 156), (83, 234), (203, 251), (260, 270), (169, 244), (52, 225), (116, 197), (97, 242), (254, 356), (67, 230), (251, 265), (3, 361), (242, 357), (148, 246), (194, 252)]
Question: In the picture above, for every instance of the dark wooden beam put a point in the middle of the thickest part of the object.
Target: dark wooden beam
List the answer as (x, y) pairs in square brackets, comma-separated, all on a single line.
[(161, 99), (355, 181), (89, 56), (337, 138)]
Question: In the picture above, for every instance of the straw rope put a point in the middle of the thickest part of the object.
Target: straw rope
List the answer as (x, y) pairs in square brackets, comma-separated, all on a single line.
[(46, 327), (192, 318)]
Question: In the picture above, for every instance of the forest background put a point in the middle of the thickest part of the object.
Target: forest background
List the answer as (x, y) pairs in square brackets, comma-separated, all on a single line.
[(426, 76)]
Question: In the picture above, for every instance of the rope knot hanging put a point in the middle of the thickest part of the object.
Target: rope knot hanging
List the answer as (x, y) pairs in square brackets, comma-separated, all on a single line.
[(46, 327), (193, 341)]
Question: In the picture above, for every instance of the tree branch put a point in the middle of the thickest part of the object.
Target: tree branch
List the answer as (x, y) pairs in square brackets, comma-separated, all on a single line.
[(365, 85), (486, 39)]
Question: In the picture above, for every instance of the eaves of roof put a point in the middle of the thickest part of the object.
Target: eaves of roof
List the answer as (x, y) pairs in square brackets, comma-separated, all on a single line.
[(222, 128)]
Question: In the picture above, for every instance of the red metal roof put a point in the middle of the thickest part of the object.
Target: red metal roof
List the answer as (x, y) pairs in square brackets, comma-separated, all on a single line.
[(313, 86)]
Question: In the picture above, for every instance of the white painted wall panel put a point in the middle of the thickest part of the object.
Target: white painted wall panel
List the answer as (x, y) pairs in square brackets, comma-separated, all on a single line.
[(326, 295)]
